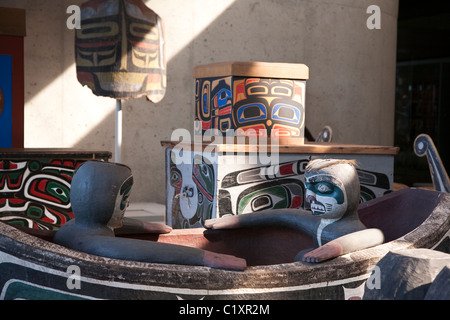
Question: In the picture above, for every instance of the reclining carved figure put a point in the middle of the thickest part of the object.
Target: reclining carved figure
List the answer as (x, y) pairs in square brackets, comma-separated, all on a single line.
[(99, 197), (333, 192)]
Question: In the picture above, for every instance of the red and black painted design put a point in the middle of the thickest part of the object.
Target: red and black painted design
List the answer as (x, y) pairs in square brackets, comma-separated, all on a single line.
[(36, 193), (119, 50)]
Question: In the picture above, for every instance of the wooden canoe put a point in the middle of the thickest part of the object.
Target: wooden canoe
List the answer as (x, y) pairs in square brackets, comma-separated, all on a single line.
[(33, 267)]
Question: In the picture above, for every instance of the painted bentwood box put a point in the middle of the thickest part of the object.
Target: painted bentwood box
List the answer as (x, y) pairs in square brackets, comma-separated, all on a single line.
[(210, 181), (35, 185), (251, 98)]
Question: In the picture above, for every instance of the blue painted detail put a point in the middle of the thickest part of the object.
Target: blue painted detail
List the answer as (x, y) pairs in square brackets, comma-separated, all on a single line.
[(251, 112), (6, 103), (293, 112)]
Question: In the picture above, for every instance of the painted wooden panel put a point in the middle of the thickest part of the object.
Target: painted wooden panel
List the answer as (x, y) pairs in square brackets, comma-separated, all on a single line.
[(35, 185), (190, 188), (244, 188), (242, 185), (5, 101), (11, 91), (251, 101)]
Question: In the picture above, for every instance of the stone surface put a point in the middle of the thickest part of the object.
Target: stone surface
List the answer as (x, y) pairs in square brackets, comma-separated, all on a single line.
[(440, 288), (409, 274)]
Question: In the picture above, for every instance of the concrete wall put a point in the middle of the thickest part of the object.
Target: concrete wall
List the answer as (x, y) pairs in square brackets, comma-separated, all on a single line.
[(351, 86)]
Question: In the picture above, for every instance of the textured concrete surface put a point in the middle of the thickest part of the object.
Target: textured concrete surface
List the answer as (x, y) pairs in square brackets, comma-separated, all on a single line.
[(351, 85)]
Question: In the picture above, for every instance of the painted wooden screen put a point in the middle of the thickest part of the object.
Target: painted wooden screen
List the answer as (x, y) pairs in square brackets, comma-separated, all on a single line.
[(12, 32)]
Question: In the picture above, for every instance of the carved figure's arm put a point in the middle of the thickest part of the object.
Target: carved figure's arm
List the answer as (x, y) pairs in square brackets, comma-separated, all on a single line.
[(345, 244)]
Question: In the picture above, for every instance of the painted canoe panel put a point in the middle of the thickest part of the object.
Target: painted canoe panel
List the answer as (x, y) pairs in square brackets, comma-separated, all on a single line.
[(34, 268), (34, 282)]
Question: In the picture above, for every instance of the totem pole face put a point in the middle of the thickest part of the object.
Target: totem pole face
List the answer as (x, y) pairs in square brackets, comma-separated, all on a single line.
[(332, 187), (120, 50), (99, 193)]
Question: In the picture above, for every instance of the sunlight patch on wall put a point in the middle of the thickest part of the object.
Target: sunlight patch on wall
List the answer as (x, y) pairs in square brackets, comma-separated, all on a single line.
[(184, 23), (63, 112)]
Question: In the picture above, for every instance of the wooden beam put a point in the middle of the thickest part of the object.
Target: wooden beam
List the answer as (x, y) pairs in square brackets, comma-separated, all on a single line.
[(312, 148), (12, 22)]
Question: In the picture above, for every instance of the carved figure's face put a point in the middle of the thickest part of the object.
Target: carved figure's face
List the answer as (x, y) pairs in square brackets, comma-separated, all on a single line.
[(121, 204), (327, 199)]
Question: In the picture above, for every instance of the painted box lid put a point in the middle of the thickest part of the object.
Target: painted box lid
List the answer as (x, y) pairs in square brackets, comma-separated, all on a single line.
[(253, 69)]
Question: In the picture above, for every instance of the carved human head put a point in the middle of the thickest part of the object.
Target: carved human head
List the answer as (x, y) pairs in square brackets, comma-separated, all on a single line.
[(332, 187), (99, 193)]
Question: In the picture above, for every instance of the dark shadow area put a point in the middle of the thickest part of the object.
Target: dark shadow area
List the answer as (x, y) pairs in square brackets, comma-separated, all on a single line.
[(422, 86)]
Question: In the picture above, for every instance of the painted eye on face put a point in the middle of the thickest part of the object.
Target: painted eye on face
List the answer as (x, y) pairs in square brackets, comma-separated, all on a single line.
[(175, 178), (285, 112), (124, 202), (324, 188), (125, 191), (251, 112), (60, 192)]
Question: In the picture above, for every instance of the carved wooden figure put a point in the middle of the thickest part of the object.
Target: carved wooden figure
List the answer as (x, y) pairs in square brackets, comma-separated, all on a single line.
[(333, 222), (99, 197)]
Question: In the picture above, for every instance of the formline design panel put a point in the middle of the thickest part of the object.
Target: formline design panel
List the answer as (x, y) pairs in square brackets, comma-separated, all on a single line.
[(203, 185), (251, 99), (35, 185)]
